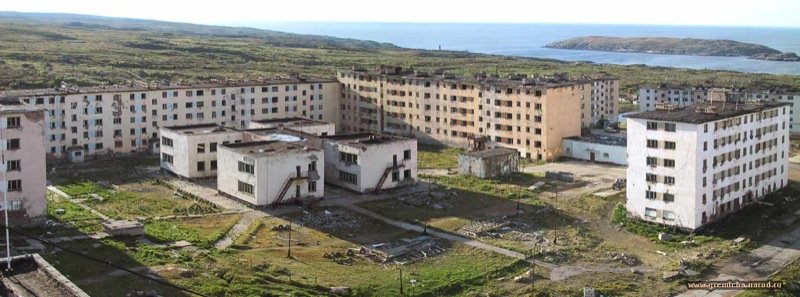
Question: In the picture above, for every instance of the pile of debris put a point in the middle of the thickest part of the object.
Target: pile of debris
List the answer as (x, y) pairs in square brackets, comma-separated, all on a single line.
[(502, 227), (437, 200), (342, 258), (403, 251), (281, 228), (623, 258), (335, 219), (483, 228)]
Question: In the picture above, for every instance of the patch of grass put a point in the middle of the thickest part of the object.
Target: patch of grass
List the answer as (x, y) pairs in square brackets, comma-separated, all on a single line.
[(437, 157), (248, 234), (513, 187), (202, 231), (82, 188), (651, 230)]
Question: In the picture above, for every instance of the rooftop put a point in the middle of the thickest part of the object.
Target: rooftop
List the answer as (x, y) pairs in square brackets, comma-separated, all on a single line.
[(33, 276), (137, 86), (201, 129), (706, 112), (601, 139), (13, 105), (292, 121), (365, 139), (512, 80), (492, 152), (266, 148)]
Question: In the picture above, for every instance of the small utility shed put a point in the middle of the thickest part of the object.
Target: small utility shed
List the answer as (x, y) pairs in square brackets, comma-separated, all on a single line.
[(597, 148), (489, 163)]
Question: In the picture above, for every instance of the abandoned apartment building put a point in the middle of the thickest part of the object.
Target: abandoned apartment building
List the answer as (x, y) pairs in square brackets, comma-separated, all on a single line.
[(689, 166), (270, 172), (489, 163), (365, 162), (21, 134)]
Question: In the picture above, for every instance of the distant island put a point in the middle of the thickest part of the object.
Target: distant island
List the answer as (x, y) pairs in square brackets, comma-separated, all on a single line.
[(675, 46)]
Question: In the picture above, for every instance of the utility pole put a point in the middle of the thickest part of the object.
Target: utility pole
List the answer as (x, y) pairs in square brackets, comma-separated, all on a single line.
[(401, 281), (5, 211), (289, 254), (518, 197), (555, 231), (533, 270)]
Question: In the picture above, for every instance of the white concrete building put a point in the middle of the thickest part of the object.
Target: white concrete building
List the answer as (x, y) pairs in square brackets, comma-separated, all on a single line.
[(689, 167), (597, 148), (303, 125), (191, 151), (489, 163), (651, 96), (365, 162), (604, 108), (23, 170), (126, 118), (270, 172)]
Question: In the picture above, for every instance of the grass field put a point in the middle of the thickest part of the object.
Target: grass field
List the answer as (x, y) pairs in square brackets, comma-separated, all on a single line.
[(436, 157), (203, 231)]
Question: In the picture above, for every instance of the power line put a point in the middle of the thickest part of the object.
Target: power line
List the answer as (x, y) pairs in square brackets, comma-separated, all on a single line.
[(142, 275)]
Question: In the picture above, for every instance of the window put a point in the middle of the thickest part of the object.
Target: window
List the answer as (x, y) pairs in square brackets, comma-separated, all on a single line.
[(651, 178), (669, 216), (13, 165), (212, 147), (201, 166), (652, 126), (670, 127), (651, 161), (212, 165), (16, 205), (12, 122), (650, 213), (348, 177), (407, 155), (348, 158), (670, 145), (406, 174), (312, 186), (166, 158), (166, 141), (245, 188), (201, 147), (669, 163), (15, 185), (13, 144), (670, 180), (650, 195), (669, 197), (247, 168), (312, 166), (651, 143), (395, 176)]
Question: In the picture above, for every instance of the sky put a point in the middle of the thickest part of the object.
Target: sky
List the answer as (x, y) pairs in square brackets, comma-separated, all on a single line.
[(761, 13)]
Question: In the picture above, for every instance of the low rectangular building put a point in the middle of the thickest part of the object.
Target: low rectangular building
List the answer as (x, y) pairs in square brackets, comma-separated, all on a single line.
[(263, 173), (489, 163), (689, 167), (32, 275), (597, 148), (23, 170), (369, 162), (191, 151)]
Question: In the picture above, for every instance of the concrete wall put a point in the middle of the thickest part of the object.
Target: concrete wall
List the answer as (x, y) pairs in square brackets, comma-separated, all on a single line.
[(373, 161), (317, 128), (603, 153), (689, 171), (32, 199), (185, 155), (488, 167), (271, 173)]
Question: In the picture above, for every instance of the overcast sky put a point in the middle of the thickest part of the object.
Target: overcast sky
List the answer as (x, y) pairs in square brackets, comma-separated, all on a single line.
[(773, 13)]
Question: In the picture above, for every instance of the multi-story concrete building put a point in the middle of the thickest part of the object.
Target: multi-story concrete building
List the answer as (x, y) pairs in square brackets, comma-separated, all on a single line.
[(23, 163), (303, 125), (691, 166), (530, 114), (652, 96), (191, 151), (368, 162), (270, 172), (126, 118), (603, 107)]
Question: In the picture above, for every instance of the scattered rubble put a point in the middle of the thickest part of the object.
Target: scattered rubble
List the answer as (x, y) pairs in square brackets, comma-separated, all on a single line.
[(342, 258), (623, 258), (281, 228), (670, 275), (526, 277), (403, 251), (335, 219), (437, 200), (663, 237)]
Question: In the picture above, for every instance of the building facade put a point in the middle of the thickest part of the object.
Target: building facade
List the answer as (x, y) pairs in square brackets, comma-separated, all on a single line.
[(23, 167), (530, 114), (369, 162), (597, 148), (603, 106), (191, 151), (124, 119), (319, 128), (270, 172), (652, 96), (489, 163), (691, 166)]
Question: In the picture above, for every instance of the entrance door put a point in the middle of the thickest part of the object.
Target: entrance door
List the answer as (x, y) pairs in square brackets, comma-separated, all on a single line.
[(591, 156), (297, 191)]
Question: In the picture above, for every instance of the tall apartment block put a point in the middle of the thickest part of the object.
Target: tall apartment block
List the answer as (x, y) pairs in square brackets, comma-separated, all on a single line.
[(530, 114), (691, 166), (652, 96), (23, 163), (125, 119), (603, 107)]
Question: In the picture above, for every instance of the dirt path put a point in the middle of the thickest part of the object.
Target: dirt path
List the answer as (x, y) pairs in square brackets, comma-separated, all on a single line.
[(247, 219), (758, 264)]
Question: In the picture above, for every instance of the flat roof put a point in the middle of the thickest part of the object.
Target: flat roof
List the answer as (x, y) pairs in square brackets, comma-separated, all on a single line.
[(200, 129), (365, 138), (266, 148), (10, 105), (33, 276), (484, 79), (151, 86), (696, 114), (292, 121), (601, 139), (492, 152)]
